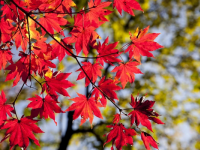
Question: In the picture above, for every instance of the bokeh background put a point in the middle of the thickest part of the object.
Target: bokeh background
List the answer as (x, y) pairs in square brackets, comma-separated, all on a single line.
[(171, 79)]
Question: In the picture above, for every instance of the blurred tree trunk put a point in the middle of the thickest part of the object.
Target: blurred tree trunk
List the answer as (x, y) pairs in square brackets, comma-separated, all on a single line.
[(69, 132)]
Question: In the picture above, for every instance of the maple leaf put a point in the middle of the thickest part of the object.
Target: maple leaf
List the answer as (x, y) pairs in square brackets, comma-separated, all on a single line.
[(55, 82), (45, 107), (10, 12), (66, 6), (120, 136), (143, 112), (21, 38), (108, 87), (32, 26), (58, 50), (127, 6), (107, 53), (4, 108), (19, 70), (41, 48), (5, 55), (7, 12), (86, 107), (58, 6), (126, 72), (20, 131), (117, 118), (5, 30), (83, 34), (92, 70), (41, 63), (142, 43), (43, 53), (147, 139), (53, 21), (97, 11), (33, 4)]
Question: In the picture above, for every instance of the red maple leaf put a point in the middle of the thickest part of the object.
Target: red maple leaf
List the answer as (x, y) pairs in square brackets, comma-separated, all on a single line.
[(126, 72), (40, 60), (107, 53), (21, 38), (12, 12), (92, 70), (108, 87), (120, 136), (41, 64), (143, 112), (147, 139), (43, 53), (60, 51), (56, 82), (7, 12), (83, 34), (53, 21), (41, 48), (5, 30), (66, 6), (20, 131), (97, 11), (142, 43), (117, 118), (19, 70), (33, 4), (127, 6), (4, 108), (45, 107), (86, 107), (5, 55)]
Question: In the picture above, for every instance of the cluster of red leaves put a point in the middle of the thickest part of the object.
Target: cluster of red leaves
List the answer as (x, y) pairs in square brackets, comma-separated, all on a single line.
[(142, 112), (24, 23)]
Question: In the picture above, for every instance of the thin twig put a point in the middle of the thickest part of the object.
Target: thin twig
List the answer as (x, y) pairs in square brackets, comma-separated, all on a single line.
[(50, 12), (97, 56)]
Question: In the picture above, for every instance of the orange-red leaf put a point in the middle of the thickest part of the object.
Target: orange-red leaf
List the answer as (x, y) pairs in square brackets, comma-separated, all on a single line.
[(147, 139), (83, 34), (44, 107), (60, 51), (86, 107), (127, 6), (97, 10), (126, 72), (20, 131), (120, 136), (21, 38), (51, 22), (117, 118), (56, 82), (142, 43), (19, 70), (108, 87), (92, 70), (4, 108), (107, 53), (5, 31), (5, 56)]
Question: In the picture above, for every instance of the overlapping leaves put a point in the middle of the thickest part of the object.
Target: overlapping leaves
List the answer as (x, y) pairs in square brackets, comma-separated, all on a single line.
[(26, 23)]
